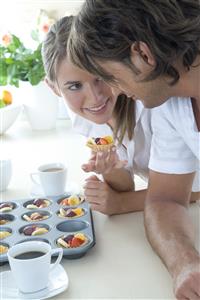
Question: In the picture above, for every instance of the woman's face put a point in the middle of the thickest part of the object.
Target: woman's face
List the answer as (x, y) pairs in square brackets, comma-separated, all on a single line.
[(85, 94)]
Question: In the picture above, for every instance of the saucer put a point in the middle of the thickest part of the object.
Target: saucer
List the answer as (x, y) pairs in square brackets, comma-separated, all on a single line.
[(37, 191), (58, 282)]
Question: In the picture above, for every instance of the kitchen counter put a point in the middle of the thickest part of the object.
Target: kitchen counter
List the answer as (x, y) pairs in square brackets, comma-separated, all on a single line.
[(122, 263)]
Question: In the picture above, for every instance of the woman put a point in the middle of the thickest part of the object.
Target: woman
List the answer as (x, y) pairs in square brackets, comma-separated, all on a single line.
[(98, 112)]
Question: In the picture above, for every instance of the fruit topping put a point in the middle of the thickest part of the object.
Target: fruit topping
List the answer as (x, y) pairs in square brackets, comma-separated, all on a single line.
[(4, 234), (3, 221), (5, 207), (38, 203), (3, 249), (72, 200), (100, 143), (34, 230), (35, 217), (72, 240), (103, 140), (70, 212)]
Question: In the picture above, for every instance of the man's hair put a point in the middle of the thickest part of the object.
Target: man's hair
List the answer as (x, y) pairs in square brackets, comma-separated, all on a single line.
[(105, 30)]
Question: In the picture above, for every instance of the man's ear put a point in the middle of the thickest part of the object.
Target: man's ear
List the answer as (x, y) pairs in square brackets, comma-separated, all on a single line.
[(142, 57), (52, 87)]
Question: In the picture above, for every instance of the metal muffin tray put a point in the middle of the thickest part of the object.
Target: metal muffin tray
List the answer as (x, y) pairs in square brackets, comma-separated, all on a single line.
[(57, 226)]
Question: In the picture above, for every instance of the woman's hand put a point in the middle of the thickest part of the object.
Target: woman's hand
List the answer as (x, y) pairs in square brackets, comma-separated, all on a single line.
[(104, 162), (101, 196)]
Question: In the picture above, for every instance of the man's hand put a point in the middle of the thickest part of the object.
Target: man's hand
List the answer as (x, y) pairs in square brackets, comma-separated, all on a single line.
[(187, 282)]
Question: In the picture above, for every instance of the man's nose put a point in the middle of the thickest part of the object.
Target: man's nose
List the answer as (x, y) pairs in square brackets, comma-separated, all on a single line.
[(116, 91), (94, 93)]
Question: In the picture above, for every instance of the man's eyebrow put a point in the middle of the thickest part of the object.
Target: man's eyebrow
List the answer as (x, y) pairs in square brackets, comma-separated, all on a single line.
[(71, 82)]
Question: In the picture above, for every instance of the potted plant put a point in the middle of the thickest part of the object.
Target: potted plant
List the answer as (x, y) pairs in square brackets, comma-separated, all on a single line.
[(17, 63), (22, 68)]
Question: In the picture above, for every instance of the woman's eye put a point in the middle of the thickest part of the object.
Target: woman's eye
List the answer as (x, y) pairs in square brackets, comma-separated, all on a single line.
[(75, 86)]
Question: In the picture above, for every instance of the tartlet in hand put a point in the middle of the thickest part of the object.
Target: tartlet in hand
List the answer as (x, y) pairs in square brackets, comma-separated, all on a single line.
[(100, 143)]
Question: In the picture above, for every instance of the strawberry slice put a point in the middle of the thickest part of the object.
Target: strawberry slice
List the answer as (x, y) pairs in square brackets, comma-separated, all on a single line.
[(103, 141), (76, 242)]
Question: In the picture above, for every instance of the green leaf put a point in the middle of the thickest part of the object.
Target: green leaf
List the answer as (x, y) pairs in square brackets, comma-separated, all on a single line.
[(16, 41), (3, 73), (35, 35), (14, 81)]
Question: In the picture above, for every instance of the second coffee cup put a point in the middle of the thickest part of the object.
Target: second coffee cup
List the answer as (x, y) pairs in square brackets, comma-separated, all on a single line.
[(52, 178)]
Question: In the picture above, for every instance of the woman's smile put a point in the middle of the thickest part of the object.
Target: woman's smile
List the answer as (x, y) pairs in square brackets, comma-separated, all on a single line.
[(97, 109)]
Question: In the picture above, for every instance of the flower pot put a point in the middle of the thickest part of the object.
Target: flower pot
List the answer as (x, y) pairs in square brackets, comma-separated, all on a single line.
[(40, 105)]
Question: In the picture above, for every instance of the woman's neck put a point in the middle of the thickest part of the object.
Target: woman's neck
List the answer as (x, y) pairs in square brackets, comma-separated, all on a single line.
[(111, 123)]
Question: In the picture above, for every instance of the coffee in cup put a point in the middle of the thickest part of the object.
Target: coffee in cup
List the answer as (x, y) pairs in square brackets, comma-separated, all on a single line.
[(52, 178)]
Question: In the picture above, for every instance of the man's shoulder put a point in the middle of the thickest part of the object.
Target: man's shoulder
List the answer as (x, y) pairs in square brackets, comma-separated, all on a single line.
[(174, 108)]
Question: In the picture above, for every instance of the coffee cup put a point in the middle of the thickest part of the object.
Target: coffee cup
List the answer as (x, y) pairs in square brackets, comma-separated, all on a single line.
[(30, 264), (52, 178), (5, 173)]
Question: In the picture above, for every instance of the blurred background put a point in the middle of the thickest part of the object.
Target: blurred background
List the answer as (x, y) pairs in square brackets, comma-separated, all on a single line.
[(29, 20)]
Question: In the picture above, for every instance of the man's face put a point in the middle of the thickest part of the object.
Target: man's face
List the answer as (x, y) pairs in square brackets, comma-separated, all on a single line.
[(151, 93)]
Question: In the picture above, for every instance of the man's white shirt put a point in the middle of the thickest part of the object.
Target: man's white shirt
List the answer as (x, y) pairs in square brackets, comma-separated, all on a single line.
[(175, 147)]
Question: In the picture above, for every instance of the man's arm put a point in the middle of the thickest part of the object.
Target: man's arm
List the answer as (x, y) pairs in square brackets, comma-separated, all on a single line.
[(170, 231)]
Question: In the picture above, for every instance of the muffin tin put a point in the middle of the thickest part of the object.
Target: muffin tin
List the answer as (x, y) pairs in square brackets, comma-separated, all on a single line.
[(58, 227)]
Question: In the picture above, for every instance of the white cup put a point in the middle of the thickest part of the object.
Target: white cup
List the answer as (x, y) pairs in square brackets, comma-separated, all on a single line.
[(32, 274), (52, 178), (5, 173)]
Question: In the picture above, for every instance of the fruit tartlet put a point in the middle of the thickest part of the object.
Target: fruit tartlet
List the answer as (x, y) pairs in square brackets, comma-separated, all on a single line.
[(100, 143), (38, 203), (3, 249), (4, 220), (34, 230), (73, 200), (71, 212), (4, 234), (36, 216), (6, 207), (72, 240)]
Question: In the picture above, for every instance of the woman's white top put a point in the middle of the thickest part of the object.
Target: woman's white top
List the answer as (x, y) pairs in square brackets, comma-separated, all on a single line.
[(159, 143)]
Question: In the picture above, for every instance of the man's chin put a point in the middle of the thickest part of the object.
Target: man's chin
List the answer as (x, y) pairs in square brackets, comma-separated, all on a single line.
[(149, 104)]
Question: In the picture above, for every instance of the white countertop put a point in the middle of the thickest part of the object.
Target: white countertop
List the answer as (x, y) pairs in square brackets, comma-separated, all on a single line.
[(122, 263)]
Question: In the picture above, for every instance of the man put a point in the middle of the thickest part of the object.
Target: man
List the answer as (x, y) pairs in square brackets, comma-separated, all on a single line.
[(150, 50)]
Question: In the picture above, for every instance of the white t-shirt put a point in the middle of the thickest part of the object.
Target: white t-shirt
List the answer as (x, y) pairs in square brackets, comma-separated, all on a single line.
[(175, 144), (144, 144)]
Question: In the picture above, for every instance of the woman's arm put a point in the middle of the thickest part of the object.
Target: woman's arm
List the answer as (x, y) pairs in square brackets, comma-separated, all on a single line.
[(108, 201), (111, 168)]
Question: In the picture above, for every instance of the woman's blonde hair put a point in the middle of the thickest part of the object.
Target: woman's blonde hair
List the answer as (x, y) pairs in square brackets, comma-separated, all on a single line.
[(54, 51)]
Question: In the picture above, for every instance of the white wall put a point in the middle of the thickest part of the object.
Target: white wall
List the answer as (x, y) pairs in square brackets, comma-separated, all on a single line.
[(19, 17)]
